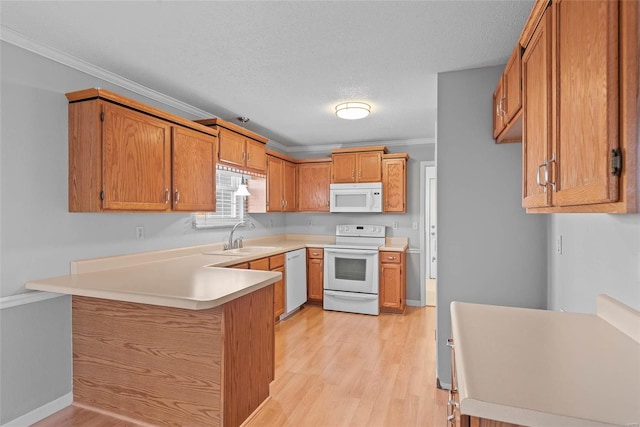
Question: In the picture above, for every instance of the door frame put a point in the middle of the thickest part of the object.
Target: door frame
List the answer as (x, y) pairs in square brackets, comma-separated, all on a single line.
[(423, 240)]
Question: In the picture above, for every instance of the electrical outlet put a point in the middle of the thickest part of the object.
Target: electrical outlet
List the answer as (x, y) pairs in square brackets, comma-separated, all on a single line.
[(559, 244), (415, 225), (395, 225), (310, 223), (140, 233)]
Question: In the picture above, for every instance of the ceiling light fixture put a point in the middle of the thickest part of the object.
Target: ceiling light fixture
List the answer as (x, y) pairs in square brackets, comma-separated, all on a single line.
[(353, 110)]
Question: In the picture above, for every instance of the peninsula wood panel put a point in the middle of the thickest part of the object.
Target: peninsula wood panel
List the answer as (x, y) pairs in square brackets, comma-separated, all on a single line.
[(249, 354), (314, 180), (194, 169), (159, 365)]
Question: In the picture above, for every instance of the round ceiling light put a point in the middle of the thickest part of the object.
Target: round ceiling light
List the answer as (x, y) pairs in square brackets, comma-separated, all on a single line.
[(353, 110)]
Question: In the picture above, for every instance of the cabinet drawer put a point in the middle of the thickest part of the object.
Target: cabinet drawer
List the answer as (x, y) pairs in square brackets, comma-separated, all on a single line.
[(276, 261), (390, 257), (315, 253), (259, 264)]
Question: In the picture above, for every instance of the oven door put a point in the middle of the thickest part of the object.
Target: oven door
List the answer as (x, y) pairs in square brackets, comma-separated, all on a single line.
[(351, 270)]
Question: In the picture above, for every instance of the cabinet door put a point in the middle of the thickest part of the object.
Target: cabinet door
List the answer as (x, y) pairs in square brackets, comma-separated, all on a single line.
[(256, 155), (274, 184), (289, 186), (512, 85), (587, 75), (537, 130), (370, 167), (194, 169), (394, 185), (313, 187), (278, 294), (344, 167), (498, 109), (315, 273), (232, 147), (136, 160), (390, 286)]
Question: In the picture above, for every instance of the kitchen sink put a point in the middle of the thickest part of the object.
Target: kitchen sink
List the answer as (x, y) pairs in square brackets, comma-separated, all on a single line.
[(247, 250)]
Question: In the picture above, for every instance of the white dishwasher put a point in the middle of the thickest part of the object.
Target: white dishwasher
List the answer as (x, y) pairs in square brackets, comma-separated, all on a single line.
[(295, 280)]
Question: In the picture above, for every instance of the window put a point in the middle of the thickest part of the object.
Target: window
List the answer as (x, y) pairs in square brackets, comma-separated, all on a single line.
[(230, 208)]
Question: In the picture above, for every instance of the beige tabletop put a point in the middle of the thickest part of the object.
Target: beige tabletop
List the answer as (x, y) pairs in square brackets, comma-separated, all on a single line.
[(545, 368)]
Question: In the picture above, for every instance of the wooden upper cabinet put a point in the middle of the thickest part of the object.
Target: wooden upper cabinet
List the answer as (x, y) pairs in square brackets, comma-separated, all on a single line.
[(120, 156), (313, 186), (507, 101), (194, 168), (587, 111), (394, 182), (344, 168), (256, 155), (289, 173), (536, 76), (232, 148), (137, 160), (275, 167), (239, 147), (357, 164), (580, 76)]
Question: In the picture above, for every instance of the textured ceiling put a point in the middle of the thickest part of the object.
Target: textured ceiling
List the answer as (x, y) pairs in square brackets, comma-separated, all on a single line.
[(285, 64)]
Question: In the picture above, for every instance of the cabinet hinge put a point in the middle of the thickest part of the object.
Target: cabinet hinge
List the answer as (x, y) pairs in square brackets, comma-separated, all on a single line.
[(102, 116), (616, 162), (102, 195)]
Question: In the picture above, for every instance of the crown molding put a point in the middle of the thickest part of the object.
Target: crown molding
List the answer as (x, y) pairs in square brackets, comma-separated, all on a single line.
[(388, 143), (20, 40)]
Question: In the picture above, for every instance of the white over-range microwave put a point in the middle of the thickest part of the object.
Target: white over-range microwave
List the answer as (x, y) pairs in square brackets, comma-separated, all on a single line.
[(363, 197)]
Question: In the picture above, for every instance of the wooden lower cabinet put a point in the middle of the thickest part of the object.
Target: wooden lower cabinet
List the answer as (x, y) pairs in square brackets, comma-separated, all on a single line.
[(315, 275), (467, 421), (392, 282), (276, 263), (170, 366)]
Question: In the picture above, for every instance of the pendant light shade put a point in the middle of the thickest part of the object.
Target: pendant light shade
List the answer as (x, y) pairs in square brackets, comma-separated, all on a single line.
[(353, 110), (242, 189)]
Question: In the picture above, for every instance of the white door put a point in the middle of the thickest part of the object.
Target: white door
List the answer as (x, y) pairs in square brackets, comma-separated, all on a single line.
[(431, 223)]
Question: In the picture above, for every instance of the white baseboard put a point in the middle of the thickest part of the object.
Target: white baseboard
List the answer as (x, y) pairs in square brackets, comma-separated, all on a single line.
[(42, 412), (26, 298), (414, 303)]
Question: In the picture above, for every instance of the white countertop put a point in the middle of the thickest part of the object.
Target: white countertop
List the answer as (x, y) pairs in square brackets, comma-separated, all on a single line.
[(190, 278), (545, 368)]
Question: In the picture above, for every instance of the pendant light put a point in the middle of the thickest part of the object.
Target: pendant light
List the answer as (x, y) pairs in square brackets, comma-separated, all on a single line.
[(242, 189)]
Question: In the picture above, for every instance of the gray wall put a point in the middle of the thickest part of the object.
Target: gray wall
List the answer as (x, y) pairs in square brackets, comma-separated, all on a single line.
[(39, 237), (489, 250), (600, 254)]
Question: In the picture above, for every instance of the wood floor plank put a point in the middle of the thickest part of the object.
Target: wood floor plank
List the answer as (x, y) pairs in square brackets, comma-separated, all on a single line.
[(339, 369)]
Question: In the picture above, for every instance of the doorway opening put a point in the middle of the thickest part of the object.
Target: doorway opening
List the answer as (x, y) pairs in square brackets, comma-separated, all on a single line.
[(429, 233)]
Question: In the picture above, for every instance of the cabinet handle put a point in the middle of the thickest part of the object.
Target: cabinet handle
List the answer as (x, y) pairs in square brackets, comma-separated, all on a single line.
[(166, 195), (243, 156), (546, 173), (538, 181), (503, 113), (453, 403), (177, 194), (248, 156), (360, 173), (391, 257), (450, 343)]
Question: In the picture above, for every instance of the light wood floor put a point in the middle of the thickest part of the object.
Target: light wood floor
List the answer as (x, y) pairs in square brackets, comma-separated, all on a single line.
[(339, 369)]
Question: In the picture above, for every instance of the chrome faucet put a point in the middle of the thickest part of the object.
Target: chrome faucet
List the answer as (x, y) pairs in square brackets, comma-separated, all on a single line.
[(237, 243)]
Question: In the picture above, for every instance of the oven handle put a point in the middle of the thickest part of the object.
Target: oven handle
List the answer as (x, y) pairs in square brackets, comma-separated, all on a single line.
[(351, 251), (355, 297)]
